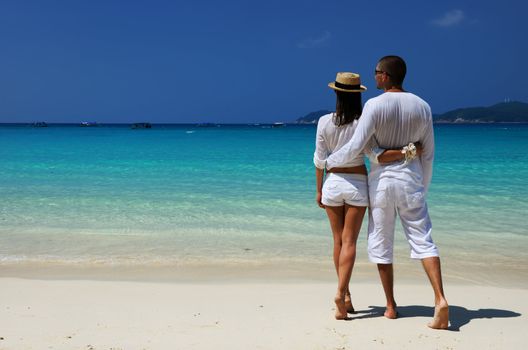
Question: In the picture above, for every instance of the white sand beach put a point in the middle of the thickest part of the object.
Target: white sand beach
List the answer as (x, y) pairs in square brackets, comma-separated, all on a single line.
[(106, 314)]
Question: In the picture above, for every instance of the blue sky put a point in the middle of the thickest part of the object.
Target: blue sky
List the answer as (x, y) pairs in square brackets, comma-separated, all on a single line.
[(247, 61)]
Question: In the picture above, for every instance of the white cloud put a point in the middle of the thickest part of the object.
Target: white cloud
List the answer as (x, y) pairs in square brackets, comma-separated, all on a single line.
[(449, 19), (315, 42)]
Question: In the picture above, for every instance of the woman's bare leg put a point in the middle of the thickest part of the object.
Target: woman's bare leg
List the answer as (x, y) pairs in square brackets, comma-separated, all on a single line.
[(345, 223), (336, 216), (347, 257)]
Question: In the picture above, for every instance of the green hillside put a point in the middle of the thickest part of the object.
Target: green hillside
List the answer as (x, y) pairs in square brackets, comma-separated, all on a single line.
[(506, 112), (313, 117)]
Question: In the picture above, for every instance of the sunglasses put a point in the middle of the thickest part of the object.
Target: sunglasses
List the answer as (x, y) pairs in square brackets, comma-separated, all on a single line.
[(376, 72)]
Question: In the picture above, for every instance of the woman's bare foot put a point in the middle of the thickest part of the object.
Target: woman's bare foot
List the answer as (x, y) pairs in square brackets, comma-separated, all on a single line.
[(390, 312), (341, 313), (348, 304), (441, 316)]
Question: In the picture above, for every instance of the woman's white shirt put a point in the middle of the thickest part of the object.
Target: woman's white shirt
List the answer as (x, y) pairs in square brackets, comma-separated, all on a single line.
[(330, 138)]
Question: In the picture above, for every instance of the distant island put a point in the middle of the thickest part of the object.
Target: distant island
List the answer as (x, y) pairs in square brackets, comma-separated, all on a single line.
[(313, 117), (504, 112)]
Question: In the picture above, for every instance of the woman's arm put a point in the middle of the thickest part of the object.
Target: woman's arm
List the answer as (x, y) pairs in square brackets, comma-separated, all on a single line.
[(319, 174), (320, 155), (321, 150)]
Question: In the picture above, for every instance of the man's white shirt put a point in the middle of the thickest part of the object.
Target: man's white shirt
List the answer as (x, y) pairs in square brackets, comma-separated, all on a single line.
[(391, 121)]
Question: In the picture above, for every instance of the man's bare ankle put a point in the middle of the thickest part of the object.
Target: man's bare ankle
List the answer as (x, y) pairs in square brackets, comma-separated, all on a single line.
[(390, 310), (390, 313), (441, 316)]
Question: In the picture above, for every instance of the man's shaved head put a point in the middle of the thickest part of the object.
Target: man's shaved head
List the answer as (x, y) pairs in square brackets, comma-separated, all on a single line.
[(395, 68)]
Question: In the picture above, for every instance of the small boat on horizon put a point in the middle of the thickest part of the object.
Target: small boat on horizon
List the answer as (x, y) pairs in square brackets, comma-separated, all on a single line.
[(39, 125), (88, 124), (277, 125), (141, 126)]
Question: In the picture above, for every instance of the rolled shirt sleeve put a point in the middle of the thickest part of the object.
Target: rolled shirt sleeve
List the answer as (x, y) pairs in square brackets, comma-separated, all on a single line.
[(321, 149)]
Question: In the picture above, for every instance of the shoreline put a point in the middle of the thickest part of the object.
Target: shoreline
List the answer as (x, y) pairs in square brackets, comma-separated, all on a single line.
[(406, 271)]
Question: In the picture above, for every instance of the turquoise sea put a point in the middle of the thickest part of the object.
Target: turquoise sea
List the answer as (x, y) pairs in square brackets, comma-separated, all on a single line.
[(178, 195)]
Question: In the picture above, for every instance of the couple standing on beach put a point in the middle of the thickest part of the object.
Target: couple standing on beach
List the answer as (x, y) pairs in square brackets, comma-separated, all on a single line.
[(395, 131)]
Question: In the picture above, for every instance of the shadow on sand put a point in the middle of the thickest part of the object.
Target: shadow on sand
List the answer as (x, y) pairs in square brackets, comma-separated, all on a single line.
[(458, 316)]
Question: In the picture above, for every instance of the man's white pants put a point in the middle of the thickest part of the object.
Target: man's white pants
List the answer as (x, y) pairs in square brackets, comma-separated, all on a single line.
[(389, 197)]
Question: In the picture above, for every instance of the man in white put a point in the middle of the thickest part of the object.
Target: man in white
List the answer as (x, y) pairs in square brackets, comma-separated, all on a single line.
[(393, 120)]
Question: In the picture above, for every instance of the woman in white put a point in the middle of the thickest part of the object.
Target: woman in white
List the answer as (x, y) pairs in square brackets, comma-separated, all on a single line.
[(344, 194)]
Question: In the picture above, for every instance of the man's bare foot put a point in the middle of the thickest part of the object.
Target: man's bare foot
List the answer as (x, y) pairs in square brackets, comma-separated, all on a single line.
[(390, 312), (341, 313), (441, 316), (348, 304)]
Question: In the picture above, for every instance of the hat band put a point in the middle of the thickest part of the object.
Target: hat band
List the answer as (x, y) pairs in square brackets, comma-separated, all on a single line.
[(347, 86)]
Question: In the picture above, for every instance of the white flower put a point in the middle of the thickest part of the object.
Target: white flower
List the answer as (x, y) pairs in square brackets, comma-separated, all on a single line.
[(410, 152)]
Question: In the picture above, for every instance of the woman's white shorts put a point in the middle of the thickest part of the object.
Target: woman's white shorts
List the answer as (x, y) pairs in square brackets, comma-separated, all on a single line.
[(340, 189)]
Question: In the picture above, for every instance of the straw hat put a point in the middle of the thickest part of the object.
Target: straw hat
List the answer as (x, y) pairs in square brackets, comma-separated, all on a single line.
[(347, 82)]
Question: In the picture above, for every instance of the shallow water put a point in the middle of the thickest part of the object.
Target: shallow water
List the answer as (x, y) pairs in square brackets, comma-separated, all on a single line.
[(176, 195)]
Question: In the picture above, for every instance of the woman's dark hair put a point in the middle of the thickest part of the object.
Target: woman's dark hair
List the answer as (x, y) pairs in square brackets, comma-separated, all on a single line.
[(348, 107)]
